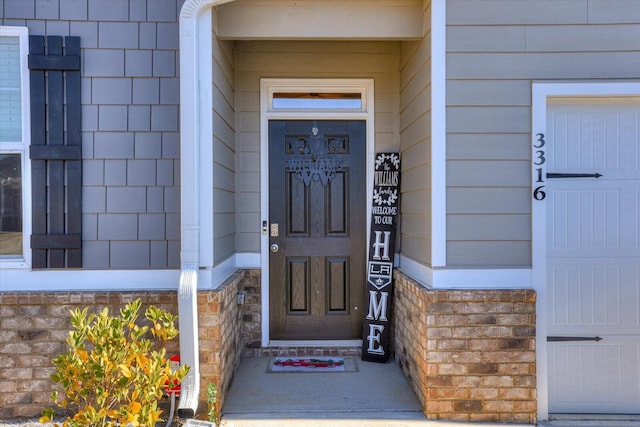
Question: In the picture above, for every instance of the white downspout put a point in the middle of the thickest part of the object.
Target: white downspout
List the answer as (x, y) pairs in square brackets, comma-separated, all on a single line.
[(195, 32), (188, 322), (189, 208), (189, 214)]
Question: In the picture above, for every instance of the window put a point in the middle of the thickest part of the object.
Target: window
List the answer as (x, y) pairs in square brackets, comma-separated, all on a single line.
[(313, 100), (317, 96), (14, 142)]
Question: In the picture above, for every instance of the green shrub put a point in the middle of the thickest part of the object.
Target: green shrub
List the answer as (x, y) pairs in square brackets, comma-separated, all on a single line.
[(212, 398), (116, 370)]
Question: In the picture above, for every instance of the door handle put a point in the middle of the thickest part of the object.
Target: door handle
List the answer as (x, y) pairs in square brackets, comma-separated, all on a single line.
[(566, 339), (573, 175), (275, 248)]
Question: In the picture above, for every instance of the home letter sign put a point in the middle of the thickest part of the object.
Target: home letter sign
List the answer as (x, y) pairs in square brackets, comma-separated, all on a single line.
[(386, 196)]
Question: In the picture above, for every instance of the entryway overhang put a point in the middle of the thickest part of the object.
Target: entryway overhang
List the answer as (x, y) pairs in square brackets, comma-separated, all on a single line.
[(320, 20)]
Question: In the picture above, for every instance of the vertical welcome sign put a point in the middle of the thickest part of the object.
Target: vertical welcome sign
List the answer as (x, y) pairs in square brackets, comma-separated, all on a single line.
[(382, 237)]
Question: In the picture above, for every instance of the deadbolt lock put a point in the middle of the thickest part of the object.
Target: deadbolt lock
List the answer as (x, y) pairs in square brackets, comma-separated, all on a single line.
[(275, 230)]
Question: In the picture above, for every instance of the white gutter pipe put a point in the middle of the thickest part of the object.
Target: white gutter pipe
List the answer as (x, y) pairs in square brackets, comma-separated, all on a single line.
[(189, 209), (195, 32), (188, 322)]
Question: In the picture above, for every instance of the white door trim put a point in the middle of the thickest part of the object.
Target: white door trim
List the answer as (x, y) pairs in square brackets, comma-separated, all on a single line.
[(542, 94), (269, 86)]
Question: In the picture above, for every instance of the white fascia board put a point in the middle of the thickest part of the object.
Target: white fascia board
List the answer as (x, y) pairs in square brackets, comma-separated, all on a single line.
[(212, 278), (248, 260), (543, 89), (88, 280), (467, 278)]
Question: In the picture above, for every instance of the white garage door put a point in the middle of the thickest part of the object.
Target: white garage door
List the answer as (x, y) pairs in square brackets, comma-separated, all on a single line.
[(594, 257)]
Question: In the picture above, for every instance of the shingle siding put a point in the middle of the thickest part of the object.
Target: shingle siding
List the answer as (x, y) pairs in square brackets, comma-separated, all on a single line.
[(130, 96)]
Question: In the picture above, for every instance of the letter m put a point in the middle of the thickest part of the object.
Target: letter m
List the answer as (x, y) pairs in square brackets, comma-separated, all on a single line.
[(377, 308)]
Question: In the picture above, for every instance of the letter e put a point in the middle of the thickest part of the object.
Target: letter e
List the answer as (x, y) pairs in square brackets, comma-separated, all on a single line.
[(375, 331)]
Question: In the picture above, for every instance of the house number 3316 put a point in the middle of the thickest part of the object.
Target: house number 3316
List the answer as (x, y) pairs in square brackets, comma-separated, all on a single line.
[(539, 160)]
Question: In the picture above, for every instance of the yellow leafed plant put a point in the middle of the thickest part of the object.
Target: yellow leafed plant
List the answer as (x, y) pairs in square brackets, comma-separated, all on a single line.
[(116, 370)]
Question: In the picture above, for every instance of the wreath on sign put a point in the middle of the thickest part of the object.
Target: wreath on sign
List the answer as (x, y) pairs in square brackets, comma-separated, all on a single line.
[(393, 157), (385, 197)]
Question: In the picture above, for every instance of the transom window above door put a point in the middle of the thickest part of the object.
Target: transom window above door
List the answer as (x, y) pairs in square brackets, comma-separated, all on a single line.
[(317, 100), (332, 96)]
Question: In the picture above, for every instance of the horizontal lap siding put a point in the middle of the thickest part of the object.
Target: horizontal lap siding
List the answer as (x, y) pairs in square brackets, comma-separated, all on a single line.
[(495, 49), (224, 151), (415, 146), (303, 59)]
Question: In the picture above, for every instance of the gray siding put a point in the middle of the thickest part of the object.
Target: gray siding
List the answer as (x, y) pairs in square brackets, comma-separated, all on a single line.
[(224, 150), (130, 96), (415, 145), (312, 59), (495, 49)]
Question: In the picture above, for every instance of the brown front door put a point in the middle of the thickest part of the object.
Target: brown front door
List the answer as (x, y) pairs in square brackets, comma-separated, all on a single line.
[(317, 240)]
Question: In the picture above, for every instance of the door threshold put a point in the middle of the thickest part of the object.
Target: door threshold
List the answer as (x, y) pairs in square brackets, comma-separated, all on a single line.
[(314, 343)]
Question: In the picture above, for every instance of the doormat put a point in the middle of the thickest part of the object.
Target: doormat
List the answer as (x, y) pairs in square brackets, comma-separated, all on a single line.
[(311, 364)]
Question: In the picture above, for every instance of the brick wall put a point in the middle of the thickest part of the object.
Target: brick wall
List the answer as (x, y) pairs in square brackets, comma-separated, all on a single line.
[(220, 336), (470, 354), (34, 326), (33, 330)]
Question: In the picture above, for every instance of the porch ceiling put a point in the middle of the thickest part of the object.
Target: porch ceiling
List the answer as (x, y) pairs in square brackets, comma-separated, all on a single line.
[(321, 19)]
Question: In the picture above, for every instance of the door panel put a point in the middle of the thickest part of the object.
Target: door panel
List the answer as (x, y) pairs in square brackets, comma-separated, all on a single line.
[(317, 198), (595, 378), (594, 259)]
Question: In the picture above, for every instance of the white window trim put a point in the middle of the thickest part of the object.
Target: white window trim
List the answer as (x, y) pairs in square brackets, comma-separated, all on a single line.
[(267, 87), (25, 261), (544, 93)]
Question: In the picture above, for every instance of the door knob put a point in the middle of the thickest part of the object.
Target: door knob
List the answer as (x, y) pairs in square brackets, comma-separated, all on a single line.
[(275, 248)]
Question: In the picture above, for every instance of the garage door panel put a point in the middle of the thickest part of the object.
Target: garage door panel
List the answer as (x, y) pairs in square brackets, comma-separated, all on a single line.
[(594, 296), (595, 377), (587, 137), (594, 222)]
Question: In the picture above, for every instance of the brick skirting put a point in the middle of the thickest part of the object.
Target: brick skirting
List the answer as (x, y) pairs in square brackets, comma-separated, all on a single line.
[(34, 327), (469, 354), (33, 330)]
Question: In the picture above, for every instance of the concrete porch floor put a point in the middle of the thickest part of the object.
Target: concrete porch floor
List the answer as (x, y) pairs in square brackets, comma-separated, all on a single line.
[(374, 395), (372, 392)]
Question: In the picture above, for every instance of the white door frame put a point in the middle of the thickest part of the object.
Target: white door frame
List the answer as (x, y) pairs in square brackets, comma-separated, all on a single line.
[(542, 94), (267, 88)]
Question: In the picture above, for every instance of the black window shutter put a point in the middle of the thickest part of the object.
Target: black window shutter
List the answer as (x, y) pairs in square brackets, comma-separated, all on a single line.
[(56, 152)]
